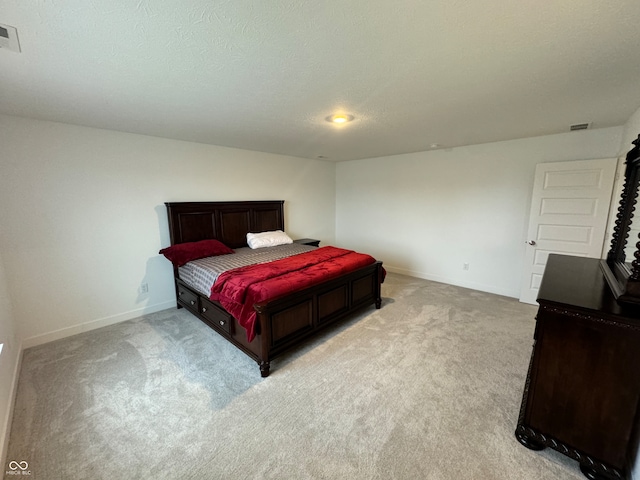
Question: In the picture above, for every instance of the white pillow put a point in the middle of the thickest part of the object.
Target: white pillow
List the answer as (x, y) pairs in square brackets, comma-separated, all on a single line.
[(268, 239)]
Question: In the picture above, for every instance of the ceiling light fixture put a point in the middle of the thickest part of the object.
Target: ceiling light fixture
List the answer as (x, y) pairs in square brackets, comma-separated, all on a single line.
[(340, 118)]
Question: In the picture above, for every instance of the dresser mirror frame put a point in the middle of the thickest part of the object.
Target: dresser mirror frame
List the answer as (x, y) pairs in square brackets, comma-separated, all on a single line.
[(622, 275)]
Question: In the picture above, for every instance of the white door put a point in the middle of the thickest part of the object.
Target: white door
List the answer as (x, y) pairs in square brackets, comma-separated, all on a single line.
[(569, 209)]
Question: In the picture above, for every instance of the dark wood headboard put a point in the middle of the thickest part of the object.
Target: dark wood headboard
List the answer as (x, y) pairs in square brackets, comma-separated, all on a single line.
[(228, 222)]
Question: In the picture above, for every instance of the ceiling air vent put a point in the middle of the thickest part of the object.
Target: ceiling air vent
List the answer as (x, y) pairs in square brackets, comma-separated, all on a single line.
[(9, 38), (580, 126)]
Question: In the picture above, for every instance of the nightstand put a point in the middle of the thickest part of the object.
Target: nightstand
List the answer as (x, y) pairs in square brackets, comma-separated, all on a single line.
[(308, 241)]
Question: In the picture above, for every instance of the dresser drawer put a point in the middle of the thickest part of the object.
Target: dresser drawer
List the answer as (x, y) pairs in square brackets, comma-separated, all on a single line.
[(216, 316), (187, 298)]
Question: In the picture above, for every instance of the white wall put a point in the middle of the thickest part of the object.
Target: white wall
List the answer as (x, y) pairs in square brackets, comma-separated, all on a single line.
[(425, 214), (83, 216), (630, 132), (9, 362)]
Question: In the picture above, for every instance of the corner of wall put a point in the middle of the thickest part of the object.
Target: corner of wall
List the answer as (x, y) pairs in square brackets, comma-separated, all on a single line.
[(630, 133), (5, 426), (10, 360)]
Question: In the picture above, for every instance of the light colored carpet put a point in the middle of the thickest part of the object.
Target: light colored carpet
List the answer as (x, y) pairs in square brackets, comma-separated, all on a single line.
[(428, 387)]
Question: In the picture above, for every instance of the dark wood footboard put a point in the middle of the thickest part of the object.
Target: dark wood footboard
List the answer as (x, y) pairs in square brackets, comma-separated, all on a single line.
[(285, 322), (282, 324)]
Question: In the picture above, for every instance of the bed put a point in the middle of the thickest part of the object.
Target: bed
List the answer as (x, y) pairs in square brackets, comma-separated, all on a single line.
[(283, 322)]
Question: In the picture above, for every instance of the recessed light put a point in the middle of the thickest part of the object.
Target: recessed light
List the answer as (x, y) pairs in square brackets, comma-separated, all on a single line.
[(340, 118)]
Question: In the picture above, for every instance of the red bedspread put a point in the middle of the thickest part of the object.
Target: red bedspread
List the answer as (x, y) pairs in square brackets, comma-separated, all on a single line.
[(238, 290)]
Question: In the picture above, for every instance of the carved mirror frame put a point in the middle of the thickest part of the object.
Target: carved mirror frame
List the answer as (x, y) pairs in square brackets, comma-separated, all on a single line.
[(623, 276)]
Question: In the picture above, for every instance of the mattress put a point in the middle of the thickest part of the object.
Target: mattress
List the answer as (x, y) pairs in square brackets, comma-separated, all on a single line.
[(201, 274)]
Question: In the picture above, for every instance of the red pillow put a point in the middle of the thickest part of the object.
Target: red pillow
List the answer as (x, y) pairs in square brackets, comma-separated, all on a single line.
[(182, 253)]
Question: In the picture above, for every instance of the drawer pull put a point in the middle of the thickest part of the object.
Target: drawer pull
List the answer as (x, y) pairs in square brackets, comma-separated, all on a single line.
[(204, 309), (193, 302), (222, 322)]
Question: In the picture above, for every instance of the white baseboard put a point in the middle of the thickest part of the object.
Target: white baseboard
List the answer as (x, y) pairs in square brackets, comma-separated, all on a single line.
[(5, 427), (472, 285), (93, 324)]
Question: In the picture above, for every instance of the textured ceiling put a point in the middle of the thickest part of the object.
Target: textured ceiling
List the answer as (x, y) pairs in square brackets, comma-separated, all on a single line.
[(263, 74)]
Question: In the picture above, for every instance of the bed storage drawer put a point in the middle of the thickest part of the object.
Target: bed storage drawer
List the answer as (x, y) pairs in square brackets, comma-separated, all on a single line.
[(186, 297), (215, 316)]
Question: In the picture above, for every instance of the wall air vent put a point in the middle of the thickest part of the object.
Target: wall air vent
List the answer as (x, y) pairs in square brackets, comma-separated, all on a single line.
[(580, 126), (9, 38)]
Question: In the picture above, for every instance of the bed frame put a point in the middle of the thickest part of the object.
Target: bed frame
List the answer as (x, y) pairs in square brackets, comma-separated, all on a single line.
[(283, 323)]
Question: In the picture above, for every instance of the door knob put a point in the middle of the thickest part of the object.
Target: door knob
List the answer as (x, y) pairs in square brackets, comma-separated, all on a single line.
[(531, 242)]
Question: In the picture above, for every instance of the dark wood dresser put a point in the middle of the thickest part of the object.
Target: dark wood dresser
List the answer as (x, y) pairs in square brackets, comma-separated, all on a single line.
[(583, 387)]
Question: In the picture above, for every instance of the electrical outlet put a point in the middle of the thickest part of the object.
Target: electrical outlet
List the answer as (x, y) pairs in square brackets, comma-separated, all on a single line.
[(144, 288), (465, 266)]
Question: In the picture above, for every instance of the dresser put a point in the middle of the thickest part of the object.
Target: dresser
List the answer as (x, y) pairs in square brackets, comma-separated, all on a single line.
[(583, 385)]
